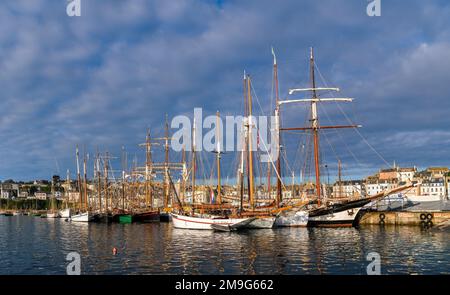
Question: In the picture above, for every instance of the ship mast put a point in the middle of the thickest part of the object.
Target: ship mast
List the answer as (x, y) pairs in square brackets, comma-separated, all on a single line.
[(193, 164), (278, 123), (218, 151), (148, 162), (85, 182), (106, 161), (339, 177), (250, 145), (315, 125), (99, 188), (79, 178), (166, 165), (183, 175)]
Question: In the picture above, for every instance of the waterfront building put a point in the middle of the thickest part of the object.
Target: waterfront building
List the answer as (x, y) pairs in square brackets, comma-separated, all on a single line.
[(406, 174), (9, 190), (438, 172), (433, 187), (41, 196)]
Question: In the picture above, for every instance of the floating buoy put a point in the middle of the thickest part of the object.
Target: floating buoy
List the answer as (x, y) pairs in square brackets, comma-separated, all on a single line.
[(114, 250)]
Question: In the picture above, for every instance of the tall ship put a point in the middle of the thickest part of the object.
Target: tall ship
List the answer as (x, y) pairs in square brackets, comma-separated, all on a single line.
[(323, 211)]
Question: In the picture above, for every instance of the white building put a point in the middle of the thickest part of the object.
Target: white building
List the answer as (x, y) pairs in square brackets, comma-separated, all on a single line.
[(350, 188), (434, 187)]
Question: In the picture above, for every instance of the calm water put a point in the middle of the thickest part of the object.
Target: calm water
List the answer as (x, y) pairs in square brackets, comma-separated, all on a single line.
[(30, 245)]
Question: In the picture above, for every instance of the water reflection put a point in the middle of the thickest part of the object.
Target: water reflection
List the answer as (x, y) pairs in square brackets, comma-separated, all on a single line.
[(30, 245)]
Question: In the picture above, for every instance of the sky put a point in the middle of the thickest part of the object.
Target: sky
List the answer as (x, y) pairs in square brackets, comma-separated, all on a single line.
[(102, 79)]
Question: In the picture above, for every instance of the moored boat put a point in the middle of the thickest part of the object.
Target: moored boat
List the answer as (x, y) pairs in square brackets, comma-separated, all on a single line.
[(125, 218), (52, 215), (82, 217), (205, 223), (261, 222), (65, 213), (148, 216), (292, 218)]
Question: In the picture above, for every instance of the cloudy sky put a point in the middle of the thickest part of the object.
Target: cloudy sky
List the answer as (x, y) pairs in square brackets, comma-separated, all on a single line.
[(100, 80)]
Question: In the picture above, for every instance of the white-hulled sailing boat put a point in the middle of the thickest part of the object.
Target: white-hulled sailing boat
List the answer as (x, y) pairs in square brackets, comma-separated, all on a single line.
[(66, 212), (207, 221), (83, 215), (52, 213)]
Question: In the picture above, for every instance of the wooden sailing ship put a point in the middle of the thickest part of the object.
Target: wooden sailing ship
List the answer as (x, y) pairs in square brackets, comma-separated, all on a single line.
[(323, 213)]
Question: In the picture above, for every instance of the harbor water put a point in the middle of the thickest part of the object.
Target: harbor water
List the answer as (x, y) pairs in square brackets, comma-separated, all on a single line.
[(31, 245)]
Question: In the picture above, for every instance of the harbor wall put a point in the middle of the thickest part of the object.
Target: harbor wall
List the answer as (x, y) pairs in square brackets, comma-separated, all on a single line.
[(404, 217)]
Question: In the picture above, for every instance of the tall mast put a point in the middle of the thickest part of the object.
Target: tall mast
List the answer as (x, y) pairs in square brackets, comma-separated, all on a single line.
[(244, 145), (183, 175), (99, 188), (166, 165), (85, 182), (68, 188), (315, 126), (278, 126), (123, 178), (79, 179), (339, 177), (53, 196), (250, 143), (193, 165), (148, 163), (218, 151), (106, 160)]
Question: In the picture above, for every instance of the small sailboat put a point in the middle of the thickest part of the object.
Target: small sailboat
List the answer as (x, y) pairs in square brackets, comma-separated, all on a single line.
[(53, 213), (65, 213), (262, 222), (147, 216), (82, 217)]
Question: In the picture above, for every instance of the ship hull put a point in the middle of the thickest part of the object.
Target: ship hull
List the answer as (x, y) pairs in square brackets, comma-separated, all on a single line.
[(189, 222), (291, 218), (82, 217), (345, 218), (165, 217), (52, 215), (66, 213), (262, 222)]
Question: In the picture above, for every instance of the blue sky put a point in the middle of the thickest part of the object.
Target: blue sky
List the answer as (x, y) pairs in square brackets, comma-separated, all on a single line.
[(100, 80)]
